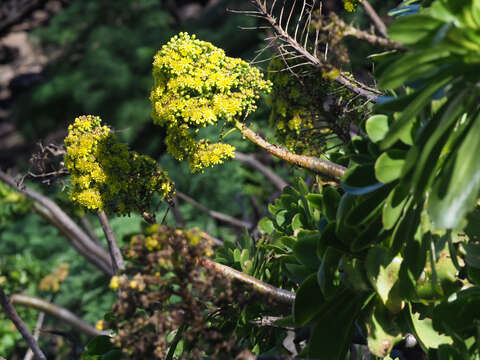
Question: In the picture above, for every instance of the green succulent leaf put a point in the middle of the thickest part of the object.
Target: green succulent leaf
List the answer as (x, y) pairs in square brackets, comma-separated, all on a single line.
[(308, 301), (388, 166), (377, 127), (455, 194)]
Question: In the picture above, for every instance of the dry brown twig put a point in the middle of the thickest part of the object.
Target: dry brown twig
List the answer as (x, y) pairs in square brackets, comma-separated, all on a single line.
[(377, 21), (349, 30), (276, 180), (115, 253), (280, 295), (56, 311), (322, 167), (36, 334), (299, 42), (214, 214)]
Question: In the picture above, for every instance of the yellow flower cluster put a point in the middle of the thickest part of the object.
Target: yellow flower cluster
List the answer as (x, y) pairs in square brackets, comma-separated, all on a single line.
[(100, 325), (106, 175), (207, 154), (292, 116), (196, 85), (351, 5)]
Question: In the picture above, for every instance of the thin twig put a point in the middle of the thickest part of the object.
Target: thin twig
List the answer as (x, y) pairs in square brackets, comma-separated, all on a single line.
[(276, 180), (56, 311), (214, 240), (377, 21), (177, 215), (349, 30), (115, 253), (36, 334), (214, 214), (317, 165), (20, 325), (87, 247), (281, 295), (270, 321)]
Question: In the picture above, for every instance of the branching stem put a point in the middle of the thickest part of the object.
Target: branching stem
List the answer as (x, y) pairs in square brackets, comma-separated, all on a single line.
[(20, 325), (56, 311), (377, 21), (281, 295), (317, 165), (214, 214), (276, 180), (115, 253)]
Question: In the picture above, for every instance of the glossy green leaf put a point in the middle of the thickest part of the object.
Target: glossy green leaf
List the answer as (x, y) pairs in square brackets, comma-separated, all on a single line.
[(331, 199), (382, 331), (280, 217), (388, 166), (307, 301), (368, 207), (411, 66), (450, 202), (417, 244), (438, 281), (472, 254), (333, 329), (383, 273), (458, 314), (265, 226), (288, 241), (315, 200), (377, 127), (359, 176), (423, 96), (432, 139), (328, 237), (297, 273), (328, 276), (393, 207), (413, 29), (305, 248), (424, 332), (355, 276)]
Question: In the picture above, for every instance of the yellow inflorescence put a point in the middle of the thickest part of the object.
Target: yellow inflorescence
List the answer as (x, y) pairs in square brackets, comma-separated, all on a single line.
[(350, 5), (105, 174), (115, 282), (100, 325), (196, 85)]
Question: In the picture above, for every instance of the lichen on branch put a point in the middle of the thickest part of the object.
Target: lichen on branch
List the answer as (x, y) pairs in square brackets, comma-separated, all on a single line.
[(106, 175), (197, 85)]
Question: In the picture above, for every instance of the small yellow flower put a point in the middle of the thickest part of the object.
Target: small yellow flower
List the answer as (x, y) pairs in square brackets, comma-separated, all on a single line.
[(151, 243), (114, 283), (100, 325)]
